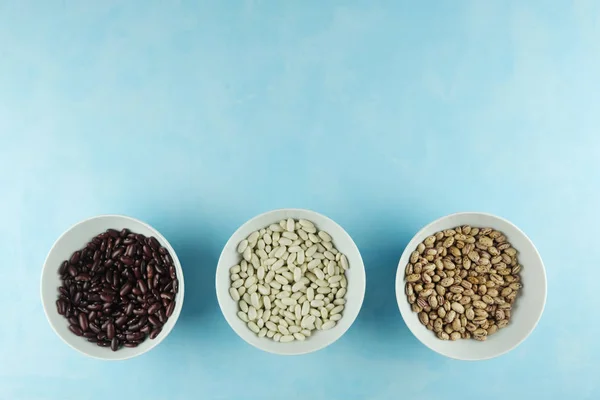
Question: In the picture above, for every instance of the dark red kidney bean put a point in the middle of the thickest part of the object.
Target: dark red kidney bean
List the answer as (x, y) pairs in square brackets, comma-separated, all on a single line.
[(92, 339), (92, 316), (129, 240), (103, 344), (136, 291), (121, 320), (109, 276), (175, 286), (139, 311), (142, 286), (125, 289), (134, 336), (154, 321), (129, 309), (72, 270), (154, 308), (63, 291), (97, 255), (89, 334), (155, 281), (168, 287), (83, 277), (153, 243), (124, 232), (147, 251), (75, 257), (117, 253), (60, 307), (150, 271), (137, 273), (103, 246), (161, 316), (170, 309), (172, 272), (127, 260), (83, 322), (73, 320), (113, 232), (77, 298), (75, 329), (106, 297), (110, 330), (92, 244), (166, 295), (156, 258), (162, 250), (115, 282), (63, 267), (130, 251), (131, 344), (146, 329), (155, 333), (114, 344)]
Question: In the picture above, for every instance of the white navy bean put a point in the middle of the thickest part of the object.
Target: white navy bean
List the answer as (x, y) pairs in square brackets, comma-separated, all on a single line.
[(328, 325), (344, 262), (275, 228), (243, 316), (325, 236), (290, 226), (283, 329), (253, 327), (286, 339), (237, 283), (254, 300), (335, 317), (253, 237), (290, 235), (309, 229), (234, 294), (252, 315), (340, 293), (247, 254), (294, 329)]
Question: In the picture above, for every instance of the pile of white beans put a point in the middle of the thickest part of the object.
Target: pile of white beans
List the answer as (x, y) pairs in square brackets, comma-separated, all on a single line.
[(291, 280)]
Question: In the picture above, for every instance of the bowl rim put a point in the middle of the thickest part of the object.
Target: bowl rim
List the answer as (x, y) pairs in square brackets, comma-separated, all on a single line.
[(178, 268), (222, 295), (401, 297)]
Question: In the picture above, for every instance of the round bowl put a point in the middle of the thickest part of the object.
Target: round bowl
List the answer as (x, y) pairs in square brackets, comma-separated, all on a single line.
[(319, 339), (76, 238), (529, 304)]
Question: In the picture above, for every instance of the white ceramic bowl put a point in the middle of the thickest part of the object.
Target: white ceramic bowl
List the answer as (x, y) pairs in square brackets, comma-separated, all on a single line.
[(76, 238), (529, 305), (319, 339)]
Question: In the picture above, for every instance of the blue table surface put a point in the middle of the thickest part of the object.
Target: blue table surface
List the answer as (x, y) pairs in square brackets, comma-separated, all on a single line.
[(384, 115)]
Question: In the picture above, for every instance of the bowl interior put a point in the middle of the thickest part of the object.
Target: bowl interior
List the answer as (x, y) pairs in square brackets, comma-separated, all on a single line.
[(528, 308), (76, 238), (355, 275)]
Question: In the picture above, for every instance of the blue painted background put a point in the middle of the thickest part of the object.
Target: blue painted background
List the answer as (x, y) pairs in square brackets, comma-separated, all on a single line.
[(196, 116)]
